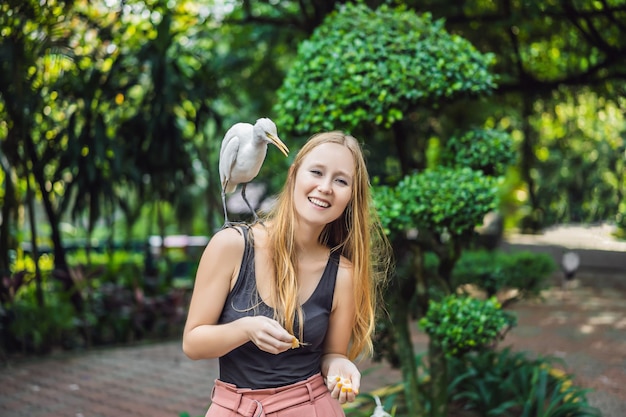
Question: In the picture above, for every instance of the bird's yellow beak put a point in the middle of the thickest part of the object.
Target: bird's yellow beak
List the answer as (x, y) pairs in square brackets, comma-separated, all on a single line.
[(279, 144)]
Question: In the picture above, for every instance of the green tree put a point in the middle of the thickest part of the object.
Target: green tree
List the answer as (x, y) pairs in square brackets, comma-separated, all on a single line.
[(114, 116), (547, 53), (368, 72), (34, 51), (376, 78)]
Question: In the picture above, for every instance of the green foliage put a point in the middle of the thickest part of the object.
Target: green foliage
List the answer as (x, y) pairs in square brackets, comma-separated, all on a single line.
[(620, 222), (497, 383), (35, 328), (579, 159), (493, 271), (125, 300), (508, 384), (488, 150), (373, 66), (460, 324), (441, 200)]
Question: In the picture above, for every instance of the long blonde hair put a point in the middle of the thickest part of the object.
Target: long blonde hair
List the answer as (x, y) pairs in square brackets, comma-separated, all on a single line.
[(357, 235)]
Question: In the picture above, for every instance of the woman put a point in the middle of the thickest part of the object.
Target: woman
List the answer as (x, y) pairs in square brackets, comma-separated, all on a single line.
[(310, 262)]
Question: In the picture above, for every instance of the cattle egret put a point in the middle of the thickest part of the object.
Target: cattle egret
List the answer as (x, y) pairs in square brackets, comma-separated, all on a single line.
[(243, 151)]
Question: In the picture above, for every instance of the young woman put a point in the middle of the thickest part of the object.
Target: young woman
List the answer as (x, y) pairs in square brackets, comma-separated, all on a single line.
[(287, 305)]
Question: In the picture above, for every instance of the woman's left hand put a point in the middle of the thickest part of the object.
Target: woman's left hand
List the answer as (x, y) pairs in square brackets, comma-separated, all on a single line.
[(343, 378)]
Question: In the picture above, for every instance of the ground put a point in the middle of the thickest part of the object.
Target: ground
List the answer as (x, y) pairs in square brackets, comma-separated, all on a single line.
[(584, 324), (586, 327)]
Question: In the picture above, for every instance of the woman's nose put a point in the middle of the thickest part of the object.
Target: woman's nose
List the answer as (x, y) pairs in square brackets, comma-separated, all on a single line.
[(324, 187)]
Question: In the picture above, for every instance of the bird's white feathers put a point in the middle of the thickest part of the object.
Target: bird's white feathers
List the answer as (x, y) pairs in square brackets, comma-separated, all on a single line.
[(243, 151)]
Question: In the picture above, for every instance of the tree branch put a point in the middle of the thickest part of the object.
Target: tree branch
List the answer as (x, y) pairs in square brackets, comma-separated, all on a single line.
[(590, 32)]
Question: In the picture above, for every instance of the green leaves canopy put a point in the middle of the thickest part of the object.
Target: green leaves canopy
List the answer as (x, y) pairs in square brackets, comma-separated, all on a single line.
[(488, 150), (363, 65), (441, 200), (464, 324)]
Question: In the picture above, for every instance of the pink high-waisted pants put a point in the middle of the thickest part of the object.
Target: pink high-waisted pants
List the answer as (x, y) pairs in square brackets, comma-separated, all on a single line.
[(308, 398)]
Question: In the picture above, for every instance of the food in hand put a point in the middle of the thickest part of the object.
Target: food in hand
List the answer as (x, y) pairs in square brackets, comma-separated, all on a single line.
[(344, 384), (295, 343)]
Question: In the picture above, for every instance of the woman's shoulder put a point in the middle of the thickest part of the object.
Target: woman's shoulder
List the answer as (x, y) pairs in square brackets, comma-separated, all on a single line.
[(345, 270), (227, 241)]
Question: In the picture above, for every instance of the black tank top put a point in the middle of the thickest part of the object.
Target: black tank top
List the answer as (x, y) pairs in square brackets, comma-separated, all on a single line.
[(249, 367)]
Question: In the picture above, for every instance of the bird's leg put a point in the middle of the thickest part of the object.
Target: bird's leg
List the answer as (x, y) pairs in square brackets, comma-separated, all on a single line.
[(227, 223), (224, 205), (243, 195)]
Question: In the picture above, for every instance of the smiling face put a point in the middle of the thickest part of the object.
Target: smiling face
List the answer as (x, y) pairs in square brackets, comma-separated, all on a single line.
[(323, 183)]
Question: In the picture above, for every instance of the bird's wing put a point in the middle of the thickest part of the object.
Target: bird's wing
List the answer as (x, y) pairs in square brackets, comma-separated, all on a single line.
[(228, 157)]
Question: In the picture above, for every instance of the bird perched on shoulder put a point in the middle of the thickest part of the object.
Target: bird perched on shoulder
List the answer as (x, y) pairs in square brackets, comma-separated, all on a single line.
[(243, 151)]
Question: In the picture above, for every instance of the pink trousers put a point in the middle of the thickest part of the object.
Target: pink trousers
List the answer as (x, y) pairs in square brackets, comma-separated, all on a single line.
[(308, 398)]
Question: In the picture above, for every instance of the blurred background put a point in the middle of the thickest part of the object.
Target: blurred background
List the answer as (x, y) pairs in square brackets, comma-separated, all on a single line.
[(479, 120)]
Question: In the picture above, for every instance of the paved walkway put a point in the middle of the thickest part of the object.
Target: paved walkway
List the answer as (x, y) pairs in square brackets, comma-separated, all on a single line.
[(151, 380), (155, 380), (586, 326)]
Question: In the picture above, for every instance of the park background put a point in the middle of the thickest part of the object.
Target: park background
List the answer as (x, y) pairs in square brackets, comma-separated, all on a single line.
[(112, 119)]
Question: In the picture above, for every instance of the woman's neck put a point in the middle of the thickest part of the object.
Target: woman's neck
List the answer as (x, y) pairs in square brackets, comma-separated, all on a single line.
[(307, 237)]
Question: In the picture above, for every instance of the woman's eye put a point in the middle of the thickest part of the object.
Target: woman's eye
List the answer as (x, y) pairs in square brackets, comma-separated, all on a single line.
[(316, 172), (342, 181)]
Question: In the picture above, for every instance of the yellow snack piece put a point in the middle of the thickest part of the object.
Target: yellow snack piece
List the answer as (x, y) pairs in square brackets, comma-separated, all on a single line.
[(295, 343), (344, 384)]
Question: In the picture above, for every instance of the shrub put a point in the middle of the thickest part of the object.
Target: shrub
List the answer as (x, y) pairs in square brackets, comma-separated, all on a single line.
[(492, 272), (487, 150), (37, 329), (461, 324), (363, 66), (505, 383)]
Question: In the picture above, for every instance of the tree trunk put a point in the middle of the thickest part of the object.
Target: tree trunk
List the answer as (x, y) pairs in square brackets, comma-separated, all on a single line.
[(438, 380), (399, 134), (62, 271), (9, 207), (402, 334), (34, 246), (421, 284), (448, 253), (400, 293), (527, 156)]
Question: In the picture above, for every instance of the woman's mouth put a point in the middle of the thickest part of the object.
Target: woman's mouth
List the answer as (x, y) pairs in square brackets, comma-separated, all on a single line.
[(319, 203)]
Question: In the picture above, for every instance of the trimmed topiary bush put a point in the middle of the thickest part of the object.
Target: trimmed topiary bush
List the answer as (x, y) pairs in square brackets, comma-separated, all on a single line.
[(461, 324), (363, 65), (494, 271)]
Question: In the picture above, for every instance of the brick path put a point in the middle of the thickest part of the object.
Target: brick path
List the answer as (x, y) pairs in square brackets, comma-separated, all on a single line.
[(154, 380), (585, 326), (151, 380)]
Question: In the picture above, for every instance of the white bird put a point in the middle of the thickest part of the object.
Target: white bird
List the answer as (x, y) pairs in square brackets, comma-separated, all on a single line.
[(243, 151)]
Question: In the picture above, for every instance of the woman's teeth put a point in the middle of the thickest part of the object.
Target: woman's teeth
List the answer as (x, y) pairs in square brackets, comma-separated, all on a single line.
[(319, 203)]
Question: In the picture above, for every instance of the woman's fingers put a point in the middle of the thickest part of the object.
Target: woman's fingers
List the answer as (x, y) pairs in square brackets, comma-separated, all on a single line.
[(270, 336), (343, 389)]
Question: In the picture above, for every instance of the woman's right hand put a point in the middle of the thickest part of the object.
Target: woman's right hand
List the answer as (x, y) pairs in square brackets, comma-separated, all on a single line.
[(267, 334)]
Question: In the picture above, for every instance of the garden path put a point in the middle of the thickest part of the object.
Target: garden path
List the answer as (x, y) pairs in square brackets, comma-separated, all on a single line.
[(585, 325)]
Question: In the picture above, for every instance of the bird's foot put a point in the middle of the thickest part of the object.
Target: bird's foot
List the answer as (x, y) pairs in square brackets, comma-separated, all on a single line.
[(257, 220), (235, 225)]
